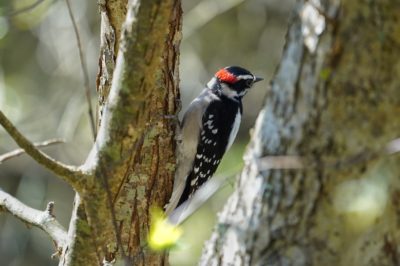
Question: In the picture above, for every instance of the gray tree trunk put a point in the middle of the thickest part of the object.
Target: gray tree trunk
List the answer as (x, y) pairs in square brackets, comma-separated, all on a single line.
[(334, 102)]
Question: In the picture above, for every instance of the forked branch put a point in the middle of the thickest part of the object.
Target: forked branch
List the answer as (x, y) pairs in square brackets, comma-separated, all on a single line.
[(44, 220), (68, 173), (15, 153)]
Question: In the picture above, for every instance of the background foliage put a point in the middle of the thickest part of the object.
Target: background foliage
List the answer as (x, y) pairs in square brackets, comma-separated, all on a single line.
[(41, 90)]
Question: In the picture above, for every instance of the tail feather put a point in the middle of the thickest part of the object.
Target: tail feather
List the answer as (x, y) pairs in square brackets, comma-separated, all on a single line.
[(180, 213), (173, 202)]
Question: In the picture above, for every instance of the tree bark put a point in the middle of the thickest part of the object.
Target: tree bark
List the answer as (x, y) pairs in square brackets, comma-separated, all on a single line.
[(112, 14), (333, 102), (131, 165)]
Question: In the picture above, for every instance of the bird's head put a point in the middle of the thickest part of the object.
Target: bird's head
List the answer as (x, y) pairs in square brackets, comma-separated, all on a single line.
[(233, 82)]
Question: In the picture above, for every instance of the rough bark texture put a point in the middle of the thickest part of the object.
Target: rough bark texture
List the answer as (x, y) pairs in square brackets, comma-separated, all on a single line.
[(113, 13), (132, 162), (334, 99)]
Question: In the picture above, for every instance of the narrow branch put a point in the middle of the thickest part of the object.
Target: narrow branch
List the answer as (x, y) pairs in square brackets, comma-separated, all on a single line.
[(45, 220), (84, 69), (280, 162), (18, 152), (303, 162), (68, 173)]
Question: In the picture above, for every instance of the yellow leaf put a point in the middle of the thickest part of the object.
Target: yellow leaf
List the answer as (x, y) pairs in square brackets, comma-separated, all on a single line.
[(163, 234)]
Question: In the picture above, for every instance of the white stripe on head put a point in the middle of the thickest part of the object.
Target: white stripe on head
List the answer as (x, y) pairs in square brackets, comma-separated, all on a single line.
[(232, 94), (228, 92), (212, 83), (245, 77)]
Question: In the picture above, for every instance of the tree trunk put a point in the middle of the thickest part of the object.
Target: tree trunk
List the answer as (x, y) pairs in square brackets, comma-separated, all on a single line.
[(131, 165), (333, 102)]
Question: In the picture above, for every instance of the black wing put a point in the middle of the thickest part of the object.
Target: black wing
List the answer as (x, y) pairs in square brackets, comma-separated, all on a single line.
[(217, 123)]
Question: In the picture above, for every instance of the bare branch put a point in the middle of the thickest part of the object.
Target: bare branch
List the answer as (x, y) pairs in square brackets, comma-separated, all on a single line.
[(301, 162), (18, 152), (280, 162), (393, 146), (84, 69), (45, 220), (68, 173)]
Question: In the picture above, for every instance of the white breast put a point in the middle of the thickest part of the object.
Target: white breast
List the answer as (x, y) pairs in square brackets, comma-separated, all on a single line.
[(235, 130)]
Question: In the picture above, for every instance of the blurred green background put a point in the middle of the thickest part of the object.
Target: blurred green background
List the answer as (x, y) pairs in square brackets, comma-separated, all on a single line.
[(41, 91)]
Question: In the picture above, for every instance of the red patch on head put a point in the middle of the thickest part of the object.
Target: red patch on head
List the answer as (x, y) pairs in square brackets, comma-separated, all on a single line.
[(224, 76)]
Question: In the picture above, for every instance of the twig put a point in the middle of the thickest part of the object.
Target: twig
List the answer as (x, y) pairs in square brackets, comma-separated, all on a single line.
[(84, 69), (24, 9), (280, 162), (45, 220), (392, 147), (18, 152), (301, 162), (68, 173)]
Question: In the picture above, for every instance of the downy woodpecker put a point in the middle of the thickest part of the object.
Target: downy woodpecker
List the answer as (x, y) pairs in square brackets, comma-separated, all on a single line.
[(208, 130)]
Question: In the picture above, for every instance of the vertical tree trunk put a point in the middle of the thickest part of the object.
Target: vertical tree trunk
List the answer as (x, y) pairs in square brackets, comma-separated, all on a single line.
[(131, 165), (112, 14), (334, 102)]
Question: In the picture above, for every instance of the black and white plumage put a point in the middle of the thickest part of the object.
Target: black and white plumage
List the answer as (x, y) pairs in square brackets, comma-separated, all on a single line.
[(208, 130)]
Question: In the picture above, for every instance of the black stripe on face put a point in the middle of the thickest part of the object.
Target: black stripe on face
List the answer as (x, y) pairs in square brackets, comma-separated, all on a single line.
[(243, 84)]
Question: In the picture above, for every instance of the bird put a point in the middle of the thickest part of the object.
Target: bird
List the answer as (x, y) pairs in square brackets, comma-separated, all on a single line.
[(207, 131)]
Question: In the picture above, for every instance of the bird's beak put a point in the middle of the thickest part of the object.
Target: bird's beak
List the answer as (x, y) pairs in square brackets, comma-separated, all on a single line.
[(257, 79)]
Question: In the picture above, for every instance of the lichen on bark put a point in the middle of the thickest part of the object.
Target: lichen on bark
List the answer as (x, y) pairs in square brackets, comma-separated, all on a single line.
[(129, 168), (327, 103)]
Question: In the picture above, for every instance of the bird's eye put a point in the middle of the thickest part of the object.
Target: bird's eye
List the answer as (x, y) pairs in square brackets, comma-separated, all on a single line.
[(249, 82)]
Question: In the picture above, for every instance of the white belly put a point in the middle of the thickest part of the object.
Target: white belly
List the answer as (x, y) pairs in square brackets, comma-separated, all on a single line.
[(235, 130)]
